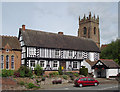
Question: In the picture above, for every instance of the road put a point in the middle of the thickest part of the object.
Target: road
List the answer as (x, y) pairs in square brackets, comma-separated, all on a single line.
[(99, 87)]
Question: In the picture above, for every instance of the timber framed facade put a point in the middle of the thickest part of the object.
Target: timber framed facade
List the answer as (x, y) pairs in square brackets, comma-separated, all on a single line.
[(51, 50)]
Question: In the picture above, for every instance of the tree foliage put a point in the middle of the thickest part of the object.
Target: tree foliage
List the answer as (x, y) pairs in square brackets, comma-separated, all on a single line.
[(112, 51)]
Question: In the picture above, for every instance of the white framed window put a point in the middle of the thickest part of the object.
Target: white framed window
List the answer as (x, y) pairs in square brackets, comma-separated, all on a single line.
[(42, 63), (55, 63), (57, 52), (75, 64), (7, 62), (12, 62), (32, 52), (32, 63), (2, 62), (70, 53)]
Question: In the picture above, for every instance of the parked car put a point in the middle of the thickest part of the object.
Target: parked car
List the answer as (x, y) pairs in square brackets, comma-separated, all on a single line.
[(85, 81)]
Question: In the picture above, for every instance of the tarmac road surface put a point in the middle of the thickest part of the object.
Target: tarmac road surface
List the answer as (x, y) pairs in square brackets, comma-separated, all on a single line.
[(99, 87)]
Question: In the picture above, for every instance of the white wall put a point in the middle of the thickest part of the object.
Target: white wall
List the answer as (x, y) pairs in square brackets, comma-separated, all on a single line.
[(91, 56), (112, 72), (84, 63)]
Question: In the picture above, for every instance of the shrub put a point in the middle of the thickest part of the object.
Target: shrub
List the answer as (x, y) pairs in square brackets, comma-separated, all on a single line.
[(25, 71), (43, 78), (38, 70), (83, 71), (21, 83), (30, 85), (76, 74), (16, 74), (60, 71), (7, 73), (65, 77), (71, 77), (22, 73), (53, 74)]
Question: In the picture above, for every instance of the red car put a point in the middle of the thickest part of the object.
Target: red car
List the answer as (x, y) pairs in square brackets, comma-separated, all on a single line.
[(85, 81)]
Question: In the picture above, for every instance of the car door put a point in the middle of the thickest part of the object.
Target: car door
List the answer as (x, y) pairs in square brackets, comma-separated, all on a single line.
[(85, 82), (90, 82)]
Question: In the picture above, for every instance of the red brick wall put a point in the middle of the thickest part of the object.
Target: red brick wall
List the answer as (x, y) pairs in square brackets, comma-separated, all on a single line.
[(17, 58)]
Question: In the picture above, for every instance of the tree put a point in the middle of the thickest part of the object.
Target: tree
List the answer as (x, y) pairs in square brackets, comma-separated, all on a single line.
[(112, 51)]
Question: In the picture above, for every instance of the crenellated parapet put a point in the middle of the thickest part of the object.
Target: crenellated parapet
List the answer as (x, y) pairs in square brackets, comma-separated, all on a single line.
[(89, 19)]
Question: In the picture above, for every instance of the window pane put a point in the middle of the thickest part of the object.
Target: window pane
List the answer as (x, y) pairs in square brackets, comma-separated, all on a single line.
[(42, 63), (7, 62), (2, 61), (32, 63), (55, 64), (12, 62), (74, 64)]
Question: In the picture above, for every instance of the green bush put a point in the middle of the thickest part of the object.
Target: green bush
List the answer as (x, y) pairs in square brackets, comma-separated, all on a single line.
[(7, 73), (25, 71), (60, 71), (22, 73), (65, 77), (71, 77), (30, 85), (83, 71), (38, 70), (21, 83), (76, 74), (53, 74)]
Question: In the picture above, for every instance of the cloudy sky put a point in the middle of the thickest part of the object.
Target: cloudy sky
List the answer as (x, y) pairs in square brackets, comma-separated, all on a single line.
[(59, 16)]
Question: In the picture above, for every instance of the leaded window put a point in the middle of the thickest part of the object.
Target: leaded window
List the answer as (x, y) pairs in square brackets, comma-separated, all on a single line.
[(12, 62), (74, 64), (55, 63), (7, 62), (42, 63), (2, 61)]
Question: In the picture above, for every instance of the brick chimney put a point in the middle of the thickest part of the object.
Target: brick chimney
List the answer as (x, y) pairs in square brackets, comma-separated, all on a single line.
[(23, 27), (61, 33)]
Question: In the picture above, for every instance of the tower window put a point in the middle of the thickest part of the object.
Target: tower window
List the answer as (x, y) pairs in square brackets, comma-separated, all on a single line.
[(85, 30), (94, 30)]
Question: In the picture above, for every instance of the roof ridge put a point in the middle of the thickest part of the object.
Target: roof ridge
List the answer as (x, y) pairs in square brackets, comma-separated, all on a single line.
[(59, 35)]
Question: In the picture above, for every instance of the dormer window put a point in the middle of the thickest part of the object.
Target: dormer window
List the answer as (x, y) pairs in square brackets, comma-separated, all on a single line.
[(7, 50)]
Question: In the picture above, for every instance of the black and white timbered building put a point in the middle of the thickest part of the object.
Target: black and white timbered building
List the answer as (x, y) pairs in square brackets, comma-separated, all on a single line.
[(52, 50)]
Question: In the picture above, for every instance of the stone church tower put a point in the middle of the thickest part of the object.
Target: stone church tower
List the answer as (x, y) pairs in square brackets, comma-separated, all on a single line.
[(89, 28)]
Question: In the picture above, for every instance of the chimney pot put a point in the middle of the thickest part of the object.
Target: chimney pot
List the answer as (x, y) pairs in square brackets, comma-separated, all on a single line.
[(60, 33), (23, 27)]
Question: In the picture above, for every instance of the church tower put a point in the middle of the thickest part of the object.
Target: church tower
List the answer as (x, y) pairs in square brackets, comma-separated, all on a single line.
[(89, 28)]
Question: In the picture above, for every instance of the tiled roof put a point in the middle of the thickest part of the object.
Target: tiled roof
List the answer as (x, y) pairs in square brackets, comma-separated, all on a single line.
[(110, 63), (52, 40), (13, 42), (91, 63)]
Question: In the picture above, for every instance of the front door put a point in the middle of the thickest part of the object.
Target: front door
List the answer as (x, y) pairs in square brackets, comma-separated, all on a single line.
[(63, 65)]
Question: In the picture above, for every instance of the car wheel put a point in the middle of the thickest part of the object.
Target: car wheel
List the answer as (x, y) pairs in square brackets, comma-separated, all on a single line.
[(80, 85), (95, 84)]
